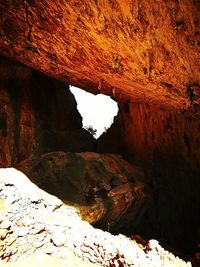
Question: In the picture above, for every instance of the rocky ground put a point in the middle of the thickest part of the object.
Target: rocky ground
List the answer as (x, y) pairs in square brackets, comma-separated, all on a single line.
[(37, 228)]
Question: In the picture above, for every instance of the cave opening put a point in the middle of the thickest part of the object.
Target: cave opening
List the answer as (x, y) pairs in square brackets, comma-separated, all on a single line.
[(97, 111)]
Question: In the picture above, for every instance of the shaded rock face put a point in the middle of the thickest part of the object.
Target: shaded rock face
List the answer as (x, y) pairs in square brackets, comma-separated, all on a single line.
[(107, 190), (37, 115), (111, 141), (165, 143)]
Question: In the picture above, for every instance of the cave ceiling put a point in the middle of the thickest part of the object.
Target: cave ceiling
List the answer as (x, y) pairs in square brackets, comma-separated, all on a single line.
[(145, 50)]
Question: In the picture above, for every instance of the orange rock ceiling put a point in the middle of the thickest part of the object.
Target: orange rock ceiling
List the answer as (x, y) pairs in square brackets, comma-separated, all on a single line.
[(146, 50)]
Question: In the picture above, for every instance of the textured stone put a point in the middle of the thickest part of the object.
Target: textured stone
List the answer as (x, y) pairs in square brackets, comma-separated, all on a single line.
[(58, 239), (5, 224), (165, 142), (11, 239), (146, 56), (133, 48), (32, 122), (3, 233), (92, 182)]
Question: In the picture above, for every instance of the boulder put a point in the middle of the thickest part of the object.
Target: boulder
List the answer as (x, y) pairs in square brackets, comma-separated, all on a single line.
[(108, 191)]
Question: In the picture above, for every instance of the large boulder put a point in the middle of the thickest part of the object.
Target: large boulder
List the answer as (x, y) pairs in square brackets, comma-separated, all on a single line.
[(107, 190)]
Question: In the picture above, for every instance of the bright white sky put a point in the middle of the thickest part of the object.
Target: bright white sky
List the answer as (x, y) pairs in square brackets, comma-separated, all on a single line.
[(97, 111)]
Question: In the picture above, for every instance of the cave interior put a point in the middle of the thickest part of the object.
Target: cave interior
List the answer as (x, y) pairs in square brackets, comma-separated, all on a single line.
[(148, 63)]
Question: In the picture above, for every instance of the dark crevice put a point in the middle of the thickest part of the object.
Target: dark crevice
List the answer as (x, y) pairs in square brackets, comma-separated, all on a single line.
[(26, 7)]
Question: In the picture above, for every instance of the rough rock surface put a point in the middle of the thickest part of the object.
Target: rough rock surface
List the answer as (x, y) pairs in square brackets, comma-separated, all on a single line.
[(145, 54), (111, 141), (37, 115), (108, 191), (148, 50), (165, 143), (38, 225)]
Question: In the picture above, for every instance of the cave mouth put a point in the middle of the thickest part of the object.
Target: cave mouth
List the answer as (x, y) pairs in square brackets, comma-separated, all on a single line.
[(97, 111)]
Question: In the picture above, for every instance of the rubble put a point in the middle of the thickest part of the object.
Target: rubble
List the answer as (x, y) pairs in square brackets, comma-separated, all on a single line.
[(35, 229)]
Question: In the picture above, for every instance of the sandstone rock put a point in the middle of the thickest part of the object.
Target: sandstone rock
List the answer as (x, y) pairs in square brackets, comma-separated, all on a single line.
[(92, 183), (112, 141), (77, 245), (152, 53), (165, 142), (33, 123)]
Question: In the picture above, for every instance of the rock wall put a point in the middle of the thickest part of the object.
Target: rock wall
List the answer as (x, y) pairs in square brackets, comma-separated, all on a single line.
[(111, 141), (165, 143), (37, 114)]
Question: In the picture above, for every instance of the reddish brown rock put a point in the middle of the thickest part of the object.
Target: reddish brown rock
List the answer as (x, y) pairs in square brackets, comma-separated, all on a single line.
[(149, 51), (165, 143), (105, 188)]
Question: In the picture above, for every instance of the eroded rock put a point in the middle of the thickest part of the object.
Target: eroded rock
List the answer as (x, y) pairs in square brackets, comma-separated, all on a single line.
[(147, 50), (37, 115), (60, 238), (105, 188)]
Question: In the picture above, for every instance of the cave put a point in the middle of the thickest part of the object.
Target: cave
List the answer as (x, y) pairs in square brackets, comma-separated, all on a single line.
[(143, 55)]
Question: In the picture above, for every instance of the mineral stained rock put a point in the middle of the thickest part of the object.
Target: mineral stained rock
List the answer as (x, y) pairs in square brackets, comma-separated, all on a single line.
[(109, 192), (147, 50), (43, 231)]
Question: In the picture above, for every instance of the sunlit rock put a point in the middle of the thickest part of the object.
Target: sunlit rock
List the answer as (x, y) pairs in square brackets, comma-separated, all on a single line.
[(43, 231)]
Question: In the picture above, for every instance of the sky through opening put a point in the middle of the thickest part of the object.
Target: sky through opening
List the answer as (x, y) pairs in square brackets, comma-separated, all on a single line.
[(97, 111)]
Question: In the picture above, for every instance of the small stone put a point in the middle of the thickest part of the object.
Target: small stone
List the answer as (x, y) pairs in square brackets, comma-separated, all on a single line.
[(85, 248), (39, 244), (92, 259), (58, 239), (1, 253), (11, 240), (23, 231), (3, 206), (49, 249), (3, 233), (5, 225), (37, 230)]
